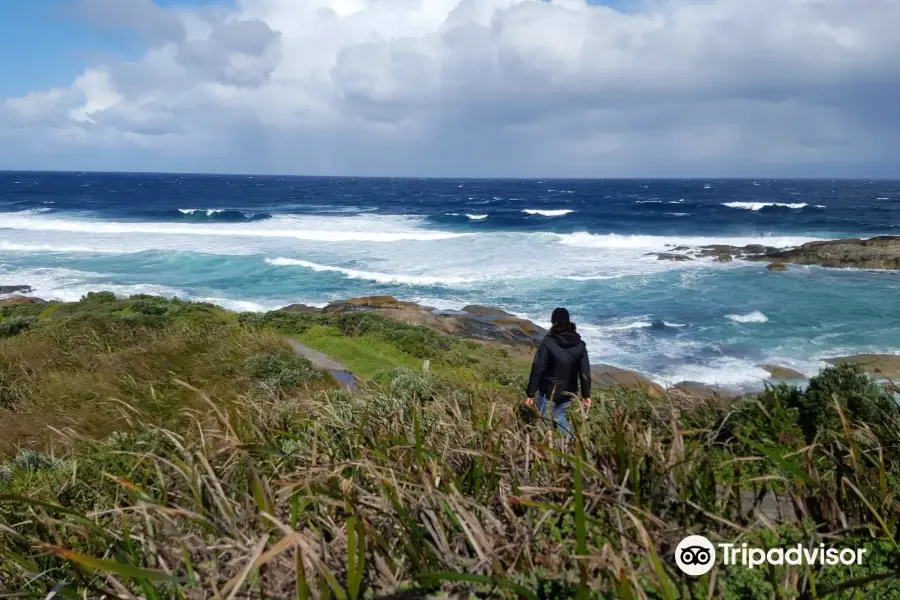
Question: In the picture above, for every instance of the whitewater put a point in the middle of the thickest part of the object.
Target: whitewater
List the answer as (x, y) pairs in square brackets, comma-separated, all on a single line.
[(525, 246)]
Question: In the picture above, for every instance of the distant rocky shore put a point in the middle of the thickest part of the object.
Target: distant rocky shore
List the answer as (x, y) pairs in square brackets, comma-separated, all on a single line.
[(493, 325), (875, 253)]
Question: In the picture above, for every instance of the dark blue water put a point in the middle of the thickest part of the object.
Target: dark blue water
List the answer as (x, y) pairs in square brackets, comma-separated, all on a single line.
[(254, 243)]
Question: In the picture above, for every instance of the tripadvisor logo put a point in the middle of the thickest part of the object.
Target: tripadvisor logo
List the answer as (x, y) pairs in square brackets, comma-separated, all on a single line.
[(696, 555)]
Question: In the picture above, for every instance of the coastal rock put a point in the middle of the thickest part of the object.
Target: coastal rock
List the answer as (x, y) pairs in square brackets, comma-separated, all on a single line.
[(608, 376), (22, 300), (370, 302), (489, 311), (670, 256), (777, 266), (724, 258), (300, 308), (879, 365), (695, 389), (875, 253), (719, 250), (783, 373), (478, 322), (15, 289)]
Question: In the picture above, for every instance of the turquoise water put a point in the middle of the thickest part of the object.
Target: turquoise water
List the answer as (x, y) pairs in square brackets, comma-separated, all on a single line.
[(315, 241)]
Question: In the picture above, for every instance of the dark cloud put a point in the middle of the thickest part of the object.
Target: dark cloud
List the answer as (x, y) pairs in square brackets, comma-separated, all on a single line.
[(494, 87)]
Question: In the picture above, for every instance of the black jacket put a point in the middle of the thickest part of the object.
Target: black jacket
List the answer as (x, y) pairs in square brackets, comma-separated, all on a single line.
[(560, 364)]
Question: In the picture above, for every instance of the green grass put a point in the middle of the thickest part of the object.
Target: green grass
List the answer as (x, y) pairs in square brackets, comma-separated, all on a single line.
[(366, 356), (89, 368), (261, 481)]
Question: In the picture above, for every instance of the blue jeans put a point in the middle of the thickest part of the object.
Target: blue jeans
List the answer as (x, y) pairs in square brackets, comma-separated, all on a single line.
[(560, 420)]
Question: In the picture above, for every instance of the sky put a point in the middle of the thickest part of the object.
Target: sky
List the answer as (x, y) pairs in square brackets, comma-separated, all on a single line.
[(471, 88)]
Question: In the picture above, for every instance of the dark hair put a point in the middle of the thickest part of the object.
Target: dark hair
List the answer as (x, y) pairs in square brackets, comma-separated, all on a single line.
[(563, 328), (561, 322)]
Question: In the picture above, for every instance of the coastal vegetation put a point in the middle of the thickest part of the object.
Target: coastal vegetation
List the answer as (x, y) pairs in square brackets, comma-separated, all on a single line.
[(154, 448)]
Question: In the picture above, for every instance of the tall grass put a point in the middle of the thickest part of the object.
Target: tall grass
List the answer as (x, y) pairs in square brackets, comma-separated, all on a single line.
[(415, 487)]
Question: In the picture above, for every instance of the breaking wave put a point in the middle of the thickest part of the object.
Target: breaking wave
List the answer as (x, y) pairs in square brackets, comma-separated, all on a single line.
[(425, 280), (547, 213), (219, 215), (754, 317), (321, 229), (757, 206), (583, 239)]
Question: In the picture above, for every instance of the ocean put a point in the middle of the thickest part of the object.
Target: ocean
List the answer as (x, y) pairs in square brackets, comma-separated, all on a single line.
[(258, 243)]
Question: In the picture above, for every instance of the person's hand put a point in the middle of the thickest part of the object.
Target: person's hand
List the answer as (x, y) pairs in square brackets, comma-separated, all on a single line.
[(587, 403), (529, 402)]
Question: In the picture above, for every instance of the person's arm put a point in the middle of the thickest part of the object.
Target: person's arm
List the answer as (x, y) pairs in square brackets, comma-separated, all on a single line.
[(538, 367), (585, 375)]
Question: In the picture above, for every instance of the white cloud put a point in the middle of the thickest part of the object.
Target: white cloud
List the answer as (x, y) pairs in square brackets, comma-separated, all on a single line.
[(481, 87)]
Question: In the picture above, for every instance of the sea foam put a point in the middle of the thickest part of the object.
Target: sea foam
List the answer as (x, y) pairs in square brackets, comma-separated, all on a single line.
[(755, 206), (754, 317), (547, 213), (319, 229), (425, 280), (583, 239)]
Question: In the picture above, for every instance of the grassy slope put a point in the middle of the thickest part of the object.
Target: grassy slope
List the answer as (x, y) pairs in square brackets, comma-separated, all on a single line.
[(277, 486)]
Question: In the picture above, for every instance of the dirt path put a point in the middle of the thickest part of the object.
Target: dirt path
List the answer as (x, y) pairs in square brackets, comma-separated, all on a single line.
[(322, 361)]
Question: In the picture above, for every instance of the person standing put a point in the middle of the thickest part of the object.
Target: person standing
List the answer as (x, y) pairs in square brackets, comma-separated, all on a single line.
[(560, 367)]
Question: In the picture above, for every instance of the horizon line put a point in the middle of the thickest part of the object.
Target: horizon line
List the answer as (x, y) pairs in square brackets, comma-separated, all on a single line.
[(455, 177)]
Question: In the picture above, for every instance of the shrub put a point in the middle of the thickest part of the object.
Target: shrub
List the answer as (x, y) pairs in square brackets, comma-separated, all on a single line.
[(13, 326), (291, 323), (150, 307), (281, 370), (98, 298), (861, 399), (411, 385), (30, 460), (21, 309)]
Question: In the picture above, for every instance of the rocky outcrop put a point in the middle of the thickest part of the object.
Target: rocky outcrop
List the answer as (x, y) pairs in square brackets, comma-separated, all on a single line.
[(724, 258), (695, 389), (15, 289), (670, 256), (879, 365), (777, 266), (875, 253), (608, 376), (483, 323), (300, 308), (477, 309), (783, 373)]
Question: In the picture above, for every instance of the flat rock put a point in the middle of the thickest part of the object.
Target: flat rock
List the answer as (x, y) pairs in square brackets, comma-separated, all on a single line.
[(478, 322), (15, 289), (875, 253), (300, 308), (695, 389), (783, 373), (608, 376), (477, 309), (716, 250), (879, 365), (670, 256)]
